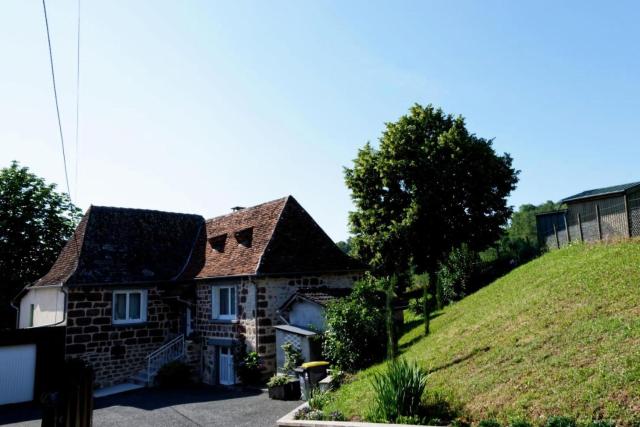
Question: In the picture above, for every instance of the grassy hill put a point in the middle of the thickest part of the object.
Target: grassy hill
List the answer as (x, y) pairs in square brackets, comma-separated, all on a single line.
[(557, 336)]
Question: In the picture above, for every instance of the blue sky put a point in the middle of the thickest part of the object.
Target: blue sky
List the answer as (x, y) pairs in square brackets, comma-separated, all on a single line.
[(198, 106)]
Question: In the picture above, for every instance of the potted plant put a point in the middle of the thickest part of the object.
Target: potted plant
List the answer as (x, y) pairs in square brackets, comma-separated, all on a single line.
[(283, 387)]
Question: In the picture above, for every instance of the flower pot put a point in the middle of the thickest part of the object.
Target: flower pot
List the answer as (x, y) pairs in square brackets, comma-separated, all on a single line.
[(289, 391)]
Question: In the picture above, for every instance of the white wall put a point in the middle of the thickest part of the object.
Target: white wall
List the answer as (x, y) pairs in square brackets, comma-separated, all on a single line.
[(307, 315), (48, 307)]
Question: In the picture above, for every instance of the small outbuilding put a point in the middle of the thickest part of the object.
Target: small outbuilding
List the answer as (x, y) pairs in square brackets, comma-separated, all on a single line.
[(599, 214), (304, 320)]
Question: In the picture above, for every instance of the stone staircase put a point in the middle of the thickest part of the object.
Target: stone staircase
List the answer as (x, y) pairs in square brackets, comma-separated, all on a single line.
[(168, 352)]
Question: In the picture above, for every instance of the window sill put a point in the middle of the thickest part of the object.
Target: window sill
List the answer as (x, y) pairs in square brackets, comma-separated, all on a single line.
[(129, 325), (224, 321)]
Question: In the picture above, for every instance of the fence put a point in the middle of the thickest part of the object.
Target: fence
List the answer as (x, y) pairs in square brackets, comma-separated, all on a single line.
[(604, 219), (72, 404)]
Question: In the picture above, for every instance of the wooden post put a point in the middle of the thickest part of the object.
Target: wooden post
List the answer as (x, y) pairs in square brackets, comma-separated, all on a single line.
[(599, 222), (566, 227), (555, 231), (626, 214), (580, 227)]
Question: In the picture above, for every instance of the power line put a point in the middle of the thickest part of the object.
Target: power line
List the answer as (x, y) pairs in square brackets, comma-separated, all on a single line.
[(77, 103), (55, 95)]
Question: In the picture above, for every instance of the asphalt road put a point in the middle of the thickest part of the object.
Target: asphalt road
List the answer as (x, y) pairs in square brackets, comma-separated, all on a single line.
[(202, 406)]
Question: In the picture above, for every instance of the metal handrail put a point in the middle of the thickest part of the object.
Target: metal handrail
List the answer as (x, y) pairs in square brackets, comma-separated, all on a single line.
[(168, 352)]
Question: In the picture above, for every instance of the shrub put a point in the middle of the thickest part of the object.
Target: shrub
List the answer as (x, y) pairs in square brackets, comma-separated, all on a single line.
[(277, 380), (336, 416), (489, 423), (520, 422), (249, 368), (460, 423), (398, 392), (292, 357), (301, 414), (456, 274), (174, 374), (560, 422), (356, 336), (601, 423), (413, 420), (315, 415), (318, 399), (440, 407), (307, 413)]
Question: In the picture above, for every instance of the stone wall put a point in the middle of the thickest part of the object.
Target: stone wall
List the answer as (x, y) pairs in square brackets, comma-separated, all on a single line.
[(214, 331), (116, 352), (255, 297), (272, 293)]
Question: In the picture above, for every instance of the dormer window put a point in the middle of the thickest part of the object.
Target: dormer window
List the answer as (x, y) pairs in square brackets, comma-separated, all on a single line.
[(244, 237), (217, 242)]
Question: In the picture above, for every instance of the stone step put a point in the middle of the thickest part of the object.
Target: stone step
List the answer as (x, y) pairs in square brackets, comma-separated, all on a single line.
[(118, 388), (139, 378)]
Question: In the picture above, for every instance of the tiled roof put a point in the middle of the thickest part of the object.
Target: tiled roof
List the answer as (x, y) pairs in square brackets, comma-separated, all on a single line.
[(285, 239), (323, 295), (320, 295), (299, 245), (119, 245), (234, 258), (599, 192)]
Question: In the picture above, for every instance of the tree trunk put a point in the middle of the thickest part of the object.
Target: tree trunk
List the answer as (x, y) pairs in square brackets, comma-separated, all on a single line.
[(429, 287), (392, 337)]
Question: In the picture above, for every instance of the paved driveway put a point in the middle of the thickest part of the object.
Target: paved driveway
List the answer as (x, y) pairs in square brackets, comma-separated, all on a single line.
[(203, 406)]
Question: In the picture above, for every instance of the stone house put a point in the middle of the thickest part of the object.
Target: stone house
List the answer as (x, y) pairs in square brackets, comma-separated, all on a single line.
[(136, 288)]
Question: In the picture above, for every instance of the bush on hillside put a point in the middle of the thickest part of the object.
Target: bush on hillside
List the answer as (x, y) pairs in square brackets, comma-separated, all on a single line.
[(398, 392), (489, 423), (601, 423), (457, 274), (355, 336), (520, 422), (560, 422)]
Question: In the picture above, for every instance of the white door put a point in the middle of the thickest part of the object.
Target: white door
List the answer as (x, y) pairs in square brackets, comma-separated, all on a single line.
[(227, 376), (17, 373)]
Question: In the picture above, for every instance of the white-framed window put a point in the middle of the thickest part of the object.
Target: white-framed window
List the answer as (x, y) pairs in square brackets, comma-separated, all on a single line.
[(129, 306), (223, 302)]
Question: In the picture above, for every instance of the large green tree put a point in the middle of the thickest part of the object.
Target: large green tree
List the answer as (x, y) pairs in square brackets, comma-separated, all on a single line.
[(35, 222), (429, 187), (520, 241)]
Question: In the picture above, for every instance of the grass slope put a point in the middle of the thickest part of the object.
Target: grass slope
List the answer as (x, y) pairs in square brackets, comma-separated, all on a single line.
[(557, 336)]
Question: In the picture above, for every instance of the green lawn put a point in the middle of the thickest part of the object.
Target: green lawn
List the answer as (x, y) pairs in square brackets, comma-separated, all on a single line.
[(557, 336)]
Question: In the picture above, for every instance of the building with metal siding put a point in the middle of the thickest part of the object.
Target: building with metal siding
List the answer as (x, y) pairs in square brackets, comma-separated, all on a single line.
[(600, 214)]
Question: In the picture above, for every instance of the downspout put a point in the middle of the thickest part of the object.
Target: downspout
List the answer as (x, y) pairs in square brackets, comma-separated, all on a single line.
[(17, 309), (255, 285), (64, 311)]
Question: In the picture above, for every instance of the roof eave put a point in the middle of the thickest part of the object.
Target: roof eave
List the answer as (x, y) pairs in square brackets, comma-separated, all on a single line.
[(600, 195)]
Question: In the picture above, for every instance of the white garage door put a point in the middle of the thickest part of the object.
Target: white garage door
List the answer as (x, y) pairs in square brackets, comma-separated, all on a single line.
[(17, 373)]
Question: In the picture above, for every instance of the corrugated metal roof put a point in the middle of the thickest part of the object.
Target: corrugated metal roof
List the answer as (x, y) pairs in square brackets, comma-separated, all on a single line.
[(295, 330), (599, 192)]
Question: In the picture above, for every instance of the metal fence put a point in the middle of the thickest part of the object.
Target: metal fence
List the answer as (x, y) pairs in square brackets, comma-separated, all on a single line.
[(604, 219)]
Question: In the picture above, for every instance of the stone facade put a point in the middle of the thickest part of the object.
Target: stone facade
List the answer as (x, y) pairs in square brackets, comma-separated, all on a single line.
[(116, 352), (258, 300)]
